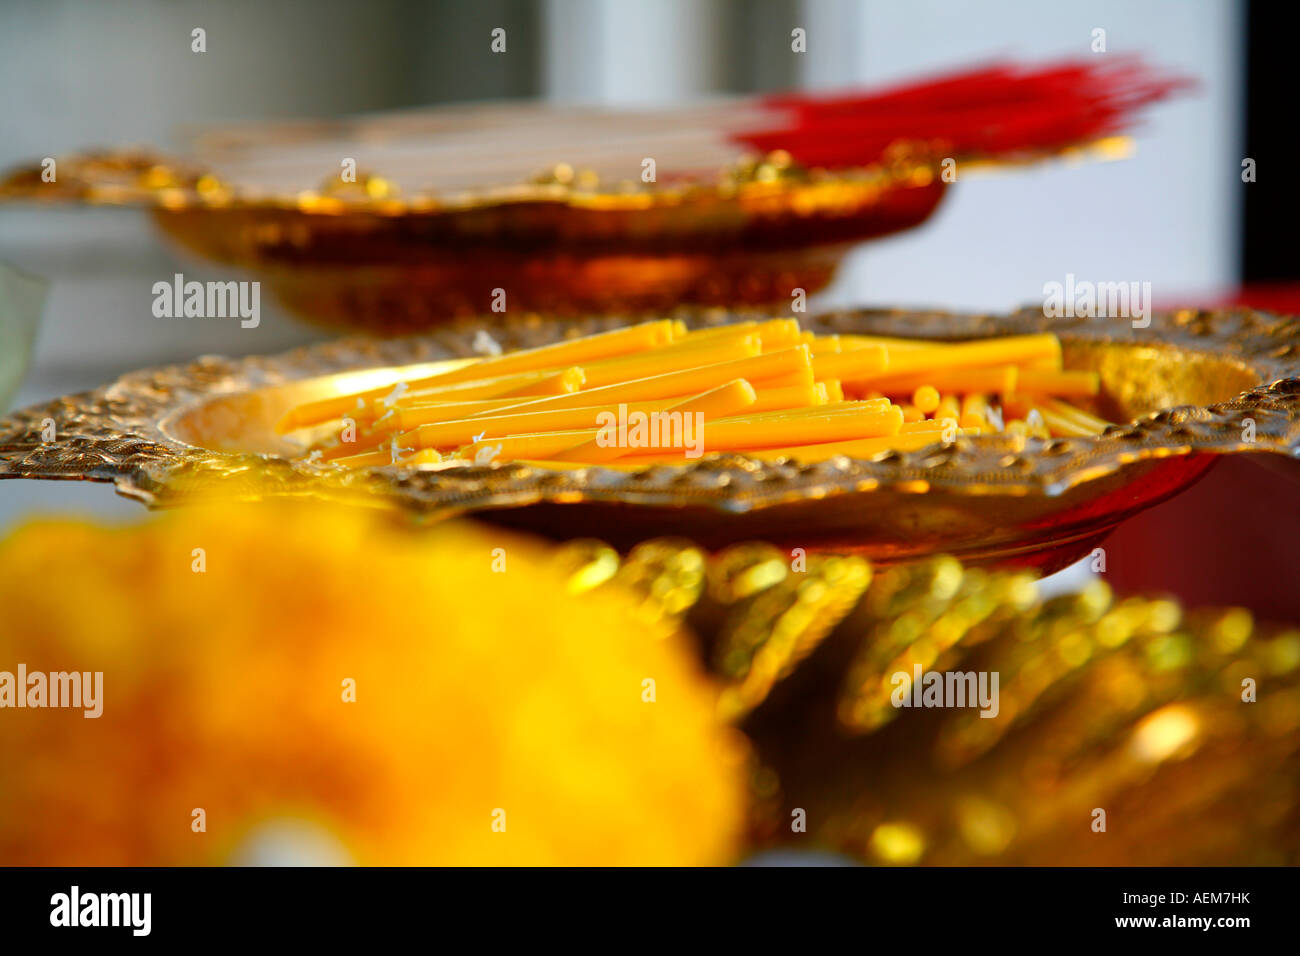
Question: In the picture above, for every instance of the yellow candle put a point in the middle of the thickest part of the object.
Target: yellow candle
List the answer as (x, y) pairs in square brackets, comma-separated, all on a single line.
[(927, 425), (853, 365), (757, 369), (974, 411), (926, 398), (456, 432), (371, 403), (773, 333), (949, 407), (998, 380), (635, 338), (819, 411), (1011, 350), (627, 368), (894, 344), (719, 435), (790, 396), (723, 400)]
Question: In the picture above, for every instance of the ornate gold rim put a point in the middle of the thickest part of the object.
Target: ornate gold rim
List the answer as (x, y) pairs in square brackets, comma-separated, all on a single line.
[(117, 433), (150, 179)]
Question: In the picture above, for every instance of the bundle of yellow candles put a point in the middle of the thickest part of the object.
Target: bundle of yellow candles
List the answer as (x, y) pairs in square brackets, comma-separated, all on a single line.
[(658, 393)]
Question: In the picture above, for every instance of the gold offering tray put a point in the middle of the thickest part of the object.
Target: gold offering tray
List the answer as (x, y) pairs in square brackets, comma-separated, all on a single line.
[(369, 256), (1191, 386)]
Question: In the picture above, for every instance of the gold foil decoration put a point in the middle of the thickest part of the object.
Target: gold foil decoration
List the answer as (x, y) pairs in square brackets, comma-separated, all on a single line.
[(1130, 707)]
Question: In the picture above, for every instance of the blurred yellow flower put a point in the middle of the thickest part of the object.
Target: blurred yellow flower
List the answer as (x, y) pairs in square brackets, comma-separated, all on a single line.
[(432, 697)]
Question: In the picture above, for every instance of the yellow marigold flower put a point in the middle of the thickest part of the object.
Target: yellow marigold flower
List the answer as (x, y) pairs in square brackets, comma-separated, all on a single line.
[(497, 718)]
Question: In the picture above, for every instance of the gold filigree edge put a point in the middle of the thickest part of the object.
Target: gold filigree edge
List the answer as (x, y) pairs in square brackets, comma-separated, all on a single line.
[(149, 179)]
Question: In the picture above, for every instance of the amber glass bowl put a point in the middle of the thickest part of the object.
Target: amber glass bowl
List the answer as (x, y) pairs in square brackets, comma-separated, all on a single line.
[(359, 257)]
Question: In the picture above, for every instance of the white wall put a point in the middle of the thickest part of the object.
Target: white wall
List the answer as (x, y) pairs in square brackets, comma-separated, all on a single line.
[(1168, 216), (631, 53)]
